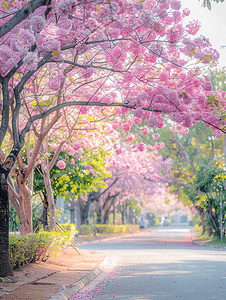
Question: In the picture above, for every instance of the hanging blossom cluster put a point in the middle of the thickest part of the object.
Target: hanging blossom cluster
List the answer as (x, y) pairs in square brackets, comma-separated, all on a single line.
[(137, 56)]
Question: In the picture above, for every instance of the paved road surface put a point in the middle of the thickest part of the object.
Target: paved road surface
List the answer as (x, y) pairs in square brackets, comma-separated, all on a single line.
[(162, 265)]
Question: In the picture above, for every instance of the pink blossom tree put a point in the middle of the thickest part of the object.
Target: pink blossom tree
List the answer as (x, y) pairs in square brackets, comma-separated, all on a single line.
[(134, 172), (135, 56)]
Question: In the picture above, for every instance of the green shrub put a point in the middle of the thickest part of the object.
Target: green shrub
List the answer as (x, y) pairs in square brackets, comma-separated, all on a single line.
[(30, 248), (86, 229), (157, 221), (68, 226), (109, 229)]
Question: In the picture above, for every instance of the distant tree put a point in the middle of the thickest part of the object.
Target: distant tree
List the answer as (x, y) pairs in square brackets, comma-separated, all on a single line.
[(218, 79)]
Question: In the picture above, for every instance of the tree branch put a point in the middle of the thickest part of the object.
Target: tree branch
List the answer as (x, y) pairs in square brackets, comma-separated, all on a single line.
[(5, 111), (22, 15)]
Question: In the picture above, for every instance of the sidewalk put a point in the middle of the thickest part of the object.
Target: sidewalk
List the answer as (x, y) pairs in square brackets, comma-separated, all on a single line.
[(42, 280), (60, 277)]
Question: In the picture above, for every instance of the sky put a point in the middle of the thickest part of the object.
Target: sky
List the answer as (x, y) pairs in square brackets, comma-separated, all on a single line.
[(213, 24)]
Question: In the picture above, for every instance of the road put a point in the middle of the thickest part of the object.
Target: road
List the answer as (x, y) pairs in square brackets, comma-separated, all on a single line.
[(161, 265)]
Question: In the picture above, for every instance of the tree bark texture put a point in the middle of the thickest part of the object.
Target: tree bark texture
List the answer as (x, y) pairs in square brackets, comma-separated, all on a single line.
[(50, 198), (5, 268), (5, 168), (25, 204)]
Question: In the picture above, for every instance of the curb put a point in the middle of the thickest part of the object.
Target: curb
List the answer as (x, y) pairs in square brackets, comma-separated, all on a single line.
[(204, 244), (209, 246), (68, 290)]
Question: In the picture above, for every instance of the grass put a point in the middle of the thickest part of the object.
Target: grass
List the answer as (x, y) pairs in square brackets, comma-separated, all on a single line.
[(217, 241), (210, 240)]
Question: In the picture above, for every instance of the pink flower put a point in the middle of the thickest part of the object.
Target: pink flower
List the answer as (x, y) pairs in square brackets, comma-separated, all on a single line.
[(217, 133), (30, 60), (159, 146), (175, 5), (54, 85), (72, 161), (88, 73), (71, 151), (138, 112), (115, 126), (84, 110), (90, 169), (127, 167), (184, 131), (128, 77), (179, 127), (37, 23), (64, 147), (146, 19), (155, 136), (207, 86), (187, 122), (61, 164), (193, 27), (76, 146), (173, 97), (141, 147), (152, 121), (171, 129), (163, 77), (144, 130), (149, 147), (186, 12), (130, 138), (137, 120), (119, 151), (126, 127)]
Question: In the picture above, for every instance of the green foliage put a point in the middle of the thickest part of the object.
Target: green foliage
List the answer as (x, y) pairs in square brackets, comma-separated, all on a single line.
[(75, 178), (117, 218), (207, 3), (195, 219), (157, 221), (199, 234), (31, 248), (108, 229), (87, 229), (69, 227), (13, 219)]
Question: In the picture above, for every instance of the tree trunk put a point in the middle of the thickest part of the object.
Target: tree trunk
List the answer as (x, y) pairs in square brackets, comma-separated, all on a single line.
[(5, 168), (5, 267), (125, 212), (72, 209), (25, 204), (107, 206), (50, 198), (98, 211), (122, 213), (45, 214), (114, 211), (83, 209)]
